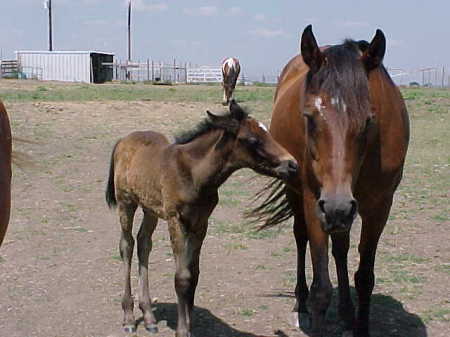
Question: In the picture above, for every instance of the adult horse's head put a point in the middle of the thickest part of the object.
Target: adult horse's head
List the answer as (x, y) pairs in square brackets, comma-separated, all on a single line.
[(338, 122)]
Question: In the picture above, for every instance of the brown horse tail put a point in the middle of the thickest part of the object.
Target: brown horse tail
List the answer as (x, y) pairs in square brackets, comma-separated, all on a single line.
[(110, 194), (274, 209)]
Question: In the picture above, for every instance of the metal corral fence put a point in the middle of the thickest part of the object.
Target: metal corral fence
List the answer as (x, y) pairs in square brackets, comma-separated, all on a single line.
[(425, 77), (204, 74), (149, 71), (164, 72)]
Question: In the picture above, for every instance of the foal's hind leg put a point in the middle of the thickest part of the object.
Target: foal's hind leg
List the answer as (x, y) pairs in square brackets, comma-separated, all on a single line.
[(144, 239), (126, 215)]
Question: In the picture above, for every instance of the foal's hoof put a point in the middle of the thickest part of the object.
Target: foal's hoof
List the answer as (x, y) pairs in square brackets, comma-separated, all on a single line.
[(129, 328), (152, 328)]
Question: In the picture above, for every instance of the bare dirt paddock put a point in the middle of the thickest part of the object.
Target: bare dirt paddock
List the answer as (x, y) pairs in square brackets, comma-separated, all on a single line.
[(60, 272)]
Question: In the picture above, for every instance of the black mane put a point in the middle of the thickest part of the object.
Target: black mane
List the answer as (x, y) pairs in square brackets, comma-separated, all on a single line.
[(202, 128), (343, 75)]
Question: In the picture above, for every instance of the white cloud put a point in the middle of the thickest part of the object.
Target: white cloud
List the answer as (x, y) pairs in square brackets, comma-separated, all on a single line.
[(201, 11), (268, 33), (235, 11), (259, 17), (147, 6)]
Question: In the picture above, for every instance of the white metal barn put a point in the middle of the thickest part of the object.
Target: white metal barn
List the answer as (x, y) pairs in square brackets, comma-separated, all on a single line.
[(69, 66)]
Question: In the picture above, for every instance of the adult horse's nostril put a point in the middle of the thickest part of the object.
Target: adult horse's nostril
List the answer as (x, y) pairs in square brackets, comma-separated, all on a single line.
[(322, 205)]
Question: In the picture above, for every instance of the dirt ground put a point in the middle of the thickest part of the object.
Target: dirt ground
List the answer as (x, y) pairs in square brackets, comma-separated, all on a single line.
[(60, 273)]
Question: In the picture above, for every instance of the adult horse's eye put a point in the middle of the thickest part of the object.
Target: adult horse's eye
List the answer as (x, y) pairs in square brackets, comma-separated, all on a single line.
[(310, 124)]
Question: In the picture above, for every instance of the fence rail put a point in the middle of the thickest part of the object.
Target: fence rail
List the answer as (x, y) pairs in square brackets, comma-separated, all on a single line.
[(204, 74)]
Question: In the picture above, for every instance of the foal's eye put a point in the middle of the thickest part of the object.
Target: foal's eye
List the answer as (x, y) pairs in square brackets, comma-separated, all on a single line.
[(253, 141)]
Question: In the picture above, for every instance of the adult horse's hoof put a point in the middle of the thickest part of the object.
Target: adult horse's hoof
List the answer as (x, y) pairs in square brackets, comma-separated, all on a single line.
[(152, 328), (301, 320), (129, 328)]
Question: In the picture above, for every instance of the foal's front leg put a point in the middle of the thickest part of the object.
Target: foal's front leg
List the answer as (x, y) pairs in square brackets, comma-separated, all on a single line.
[(186, 246)]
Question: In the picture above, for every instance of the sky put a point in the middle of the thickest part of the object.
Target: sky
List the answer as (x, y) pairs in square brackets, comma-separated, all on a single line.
[(263, 34)]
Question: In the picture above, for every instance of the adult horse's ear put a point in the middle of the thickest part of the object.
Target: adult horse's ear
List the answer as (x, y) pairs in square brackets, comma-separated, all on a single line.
[(310, 51), (373, 55), (236, 111)]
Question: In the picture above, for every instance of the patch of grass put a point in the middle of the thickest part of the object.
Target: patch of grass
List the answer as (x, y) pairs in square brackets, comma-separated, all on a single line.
[(236, 246), (128, 91), (436, 314), (247, 312)]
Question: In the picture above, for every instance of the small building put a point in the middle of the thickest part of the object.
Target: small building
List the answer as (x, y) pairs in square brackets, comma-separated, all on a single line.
[(69, 66)]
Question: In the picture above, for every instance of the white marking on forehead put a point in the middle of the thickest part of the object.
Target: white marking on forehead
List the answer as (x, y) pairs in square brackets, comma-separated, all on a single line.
[(262, 126), (339, 103), (318, 104)]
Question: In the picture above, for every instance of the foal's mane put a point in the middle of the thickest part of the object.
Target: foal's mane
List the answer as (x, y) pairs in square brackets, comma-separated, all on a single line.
[(343, 75), (205, 126)]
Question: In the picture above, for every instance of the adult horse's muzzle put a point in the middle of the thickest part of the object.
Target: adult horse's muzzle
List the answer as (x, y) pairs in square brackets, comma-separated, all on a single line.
[(337, 213)]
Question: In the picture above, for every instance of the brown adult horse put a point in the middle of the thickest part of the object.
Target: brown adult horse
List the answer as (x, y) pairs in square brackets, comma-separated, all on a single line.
[(339, 114), (5, 171), (179, 182), (230, 73)]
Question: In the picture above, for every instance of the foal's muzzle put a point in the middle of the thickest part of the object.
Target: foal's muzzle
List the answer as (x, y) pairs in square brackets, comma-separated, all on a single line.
[(337, 214), (288, 169)]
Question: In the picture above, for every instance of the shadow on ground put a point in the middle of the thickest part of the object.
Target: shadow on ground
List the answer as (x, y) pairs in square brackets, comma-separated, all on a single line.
[(204, 324), (388, 317)]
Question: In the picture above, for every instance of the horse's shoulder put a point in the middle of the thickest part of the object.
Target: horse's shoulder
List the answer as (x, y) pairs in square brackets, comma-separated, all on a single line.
[(291, 75)]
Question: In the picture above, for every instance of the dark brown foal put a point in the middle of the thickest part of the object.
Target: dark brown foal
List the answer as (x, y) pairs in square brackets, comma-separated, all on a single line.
[(179, 183)]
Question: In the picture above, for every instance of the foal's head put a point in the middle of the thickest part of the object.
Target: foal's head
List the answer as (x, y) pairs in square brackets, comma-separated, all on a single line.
[(338, 120), (251, 145)]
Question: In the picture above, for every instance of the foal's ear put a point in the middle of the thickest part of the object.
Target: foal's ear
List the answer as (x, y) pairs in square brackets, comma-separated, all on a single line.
[(223, 122), (310, 51), (236, 111), (373, 55)]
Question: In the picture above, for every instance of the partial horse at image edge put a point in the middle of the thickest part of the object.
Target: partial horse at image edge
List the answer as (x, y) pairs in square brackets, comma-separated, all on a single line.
[(5, 171)]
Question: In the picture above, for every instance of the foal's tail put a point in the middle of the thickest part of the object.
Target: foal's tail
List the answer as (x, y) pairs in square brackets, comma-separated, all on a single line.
[(110, 194)]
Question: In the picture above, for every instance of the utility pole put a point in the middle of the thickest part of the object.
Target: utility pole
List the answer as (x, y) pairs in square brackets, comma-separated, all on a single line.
[(128, 74), (129, 30), (48, 5)]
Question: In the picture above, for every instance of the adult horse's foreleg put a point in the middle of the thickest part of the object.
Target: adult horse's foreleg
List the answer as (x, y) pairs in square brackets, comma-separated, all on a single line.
[(374, 218), (144, 247), (301, 288), (225, 95), (126, 215), (341, 244), (321, 289)]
